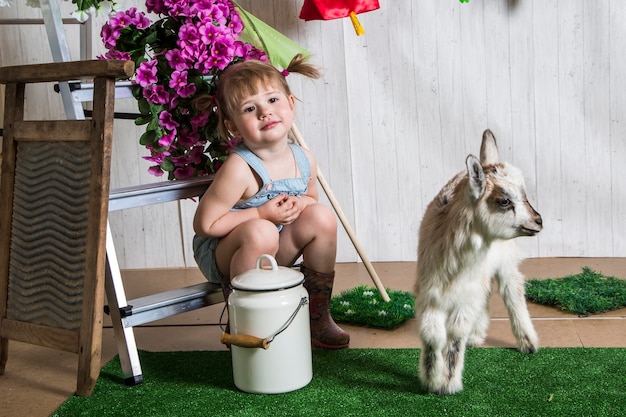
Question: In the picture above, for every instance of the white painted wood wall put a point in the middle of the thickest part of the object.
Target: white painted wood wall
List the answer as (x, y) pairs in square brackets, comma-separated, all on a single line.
[(399, 109)]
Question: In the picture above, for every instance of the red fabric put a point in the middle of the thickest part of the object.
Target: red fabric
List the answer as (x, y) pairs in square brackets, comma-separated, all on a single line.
[(335, 9)]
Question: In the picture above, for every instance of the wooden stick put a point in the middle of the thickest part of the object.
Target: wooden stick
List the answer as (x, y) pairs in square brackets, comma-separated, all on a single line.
[(344, 221)]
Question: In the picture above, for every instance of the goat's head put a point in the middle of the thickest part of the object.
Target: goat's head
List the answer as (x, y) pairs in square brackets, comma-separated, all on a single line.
[(498, 192)]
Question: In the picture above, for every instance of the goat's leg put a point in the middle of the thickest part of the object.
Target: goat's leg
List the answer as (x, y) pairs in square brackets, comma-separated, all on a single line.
[(455, 362), (481, 321), (479, 331), (460, 325), (511, 282), (433, 337)]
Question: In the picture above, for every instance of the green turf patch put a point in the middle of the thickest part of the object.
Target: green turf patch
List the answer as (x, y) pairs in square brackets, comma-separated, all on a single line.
[(365, 306), (586, 293)]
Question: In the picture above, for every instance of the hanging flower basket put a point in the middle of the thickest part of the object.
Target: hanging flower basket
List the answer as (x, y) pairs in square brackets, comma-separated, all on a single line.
[(178, 58)]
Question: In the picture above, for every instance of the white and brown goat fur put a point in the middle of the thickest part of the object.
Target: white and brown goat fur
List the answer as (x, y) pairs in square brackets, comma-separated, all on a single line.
[(464, 244)]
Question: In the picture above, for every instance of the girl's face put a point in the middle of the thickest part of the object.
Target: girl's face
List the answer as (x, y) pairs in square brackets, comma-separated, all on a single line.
[(263, 118)]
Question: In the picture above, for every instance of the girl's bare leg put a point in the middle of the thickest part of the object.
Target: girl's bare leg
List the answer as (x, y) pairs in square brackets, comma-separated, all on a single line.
[(313, 235), (239, 250)]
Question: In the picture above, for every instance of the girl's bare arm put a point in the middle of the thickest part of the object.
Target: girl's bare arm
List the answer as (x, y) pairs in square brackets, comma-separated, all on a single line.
[(214, 217)]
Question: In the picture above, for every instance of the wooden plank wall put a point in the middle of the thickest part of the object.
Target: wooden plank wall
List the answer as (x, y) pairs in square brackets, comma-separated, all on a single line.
[(399, 109)]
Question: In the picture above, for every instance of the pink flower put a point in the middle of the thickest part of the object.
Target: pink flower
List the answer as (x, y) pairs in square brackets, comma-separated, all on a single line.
[(180, 160), (189, 34), (176, 60), (199, 121), (180, 85), (110, 34), (156, 171), (115, 54), (156, 6), (235, 24), (178, 78), (253, 53), (177, 7), (166, 140), (209, 33), (167, 121), (156, 94), (141, 21), (232, 143), (186, 90), (173, 101), (184, 172), (203, 63), (196, 154), (222, 54), (146, 73), (188, 138), (210, 11), (155, 157), (123, 19)]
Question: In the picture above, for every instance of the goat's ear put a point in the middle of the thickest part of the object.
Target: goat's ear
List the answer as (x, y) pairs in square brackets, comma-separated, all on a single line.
[(488, 148), (476, 177)]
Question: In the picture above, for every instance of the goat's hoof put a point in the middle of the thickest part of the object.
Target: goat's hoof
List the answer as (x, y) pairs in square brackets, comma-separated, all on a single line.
[(442, 388), (432, 387), (526, 346), (475, 341), (450, 389)]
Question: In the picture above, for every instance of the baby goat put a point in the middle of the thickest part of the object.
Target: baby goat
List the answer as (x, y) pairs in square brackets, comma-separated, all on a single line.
[(465, 243)]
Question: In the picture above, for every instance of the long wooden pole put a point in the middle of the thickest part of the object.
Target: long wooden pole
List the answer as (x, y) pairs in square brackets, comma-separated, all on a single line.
[(344, 221)]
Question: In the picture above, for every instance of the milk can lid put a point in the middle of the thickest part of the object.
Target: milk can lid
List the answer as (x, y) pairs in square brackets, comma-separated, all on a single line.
[(264, 278)]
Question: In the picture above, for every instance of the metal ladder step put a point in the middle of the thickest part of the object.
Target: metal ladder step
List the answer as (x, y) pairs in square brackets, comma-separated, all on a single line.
[(169, 303)]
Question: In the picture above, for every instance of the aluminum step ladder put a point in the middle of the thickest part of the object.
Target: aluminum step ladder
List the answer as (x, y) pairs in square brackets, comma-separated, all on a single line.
[(125, 314)]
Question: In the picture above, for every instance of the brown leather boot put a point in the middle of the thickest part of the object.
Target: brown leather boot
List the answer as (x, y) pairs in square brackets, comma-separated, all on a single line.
[(325, 333)]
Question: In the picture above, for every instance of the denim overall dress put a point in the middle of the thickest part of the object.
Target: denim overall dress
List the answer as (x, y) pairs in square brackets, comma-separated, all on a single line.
[(204, 247)]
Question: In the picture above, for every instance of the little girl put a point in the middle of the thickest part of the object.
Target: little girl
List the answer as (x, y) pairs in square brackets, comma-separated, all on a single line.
[(264, 198)]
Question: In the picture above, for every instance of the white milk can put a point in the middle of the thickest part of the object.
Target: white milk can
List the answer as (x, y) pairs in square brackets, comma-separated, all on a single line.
[(270, 329)]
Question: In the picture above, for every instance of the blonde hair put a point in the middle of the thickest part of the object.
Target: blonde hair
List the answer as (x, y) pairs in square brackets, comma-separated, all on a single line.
[(242, 79)]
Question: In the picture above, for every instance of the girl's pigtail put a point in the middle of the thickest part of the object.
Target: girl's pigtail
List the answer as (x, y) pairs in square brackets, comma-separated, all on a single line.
[(300, 65)]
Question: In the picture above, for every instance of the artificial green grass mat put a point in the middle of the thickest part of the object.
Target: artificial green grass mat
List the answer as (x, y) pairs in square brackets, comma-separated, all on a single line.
[(586, 293), (365, 306), (370, 382)]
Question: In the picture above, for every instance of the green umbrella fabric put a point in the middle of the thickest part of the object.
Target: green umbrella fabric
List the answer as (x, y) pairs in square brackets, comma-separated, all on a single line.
[(279, 49)]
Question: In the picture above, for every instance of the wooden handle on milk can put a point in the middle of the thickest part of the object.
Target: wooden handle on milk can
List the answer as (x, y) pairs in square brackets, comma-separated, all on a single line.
[(244, 340)]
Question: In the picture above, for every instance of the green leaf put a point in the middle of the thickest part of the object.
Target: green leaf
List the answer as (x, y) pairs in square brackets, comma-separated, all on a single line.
[(154, 123), (151, 38), (144, 107), (167, 165), (148, 138), (142, 120)]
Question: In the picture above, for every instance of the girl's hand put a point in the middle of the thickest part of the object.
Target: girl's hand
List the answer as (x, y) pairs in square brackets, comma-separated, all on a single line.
[(282, 209)]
